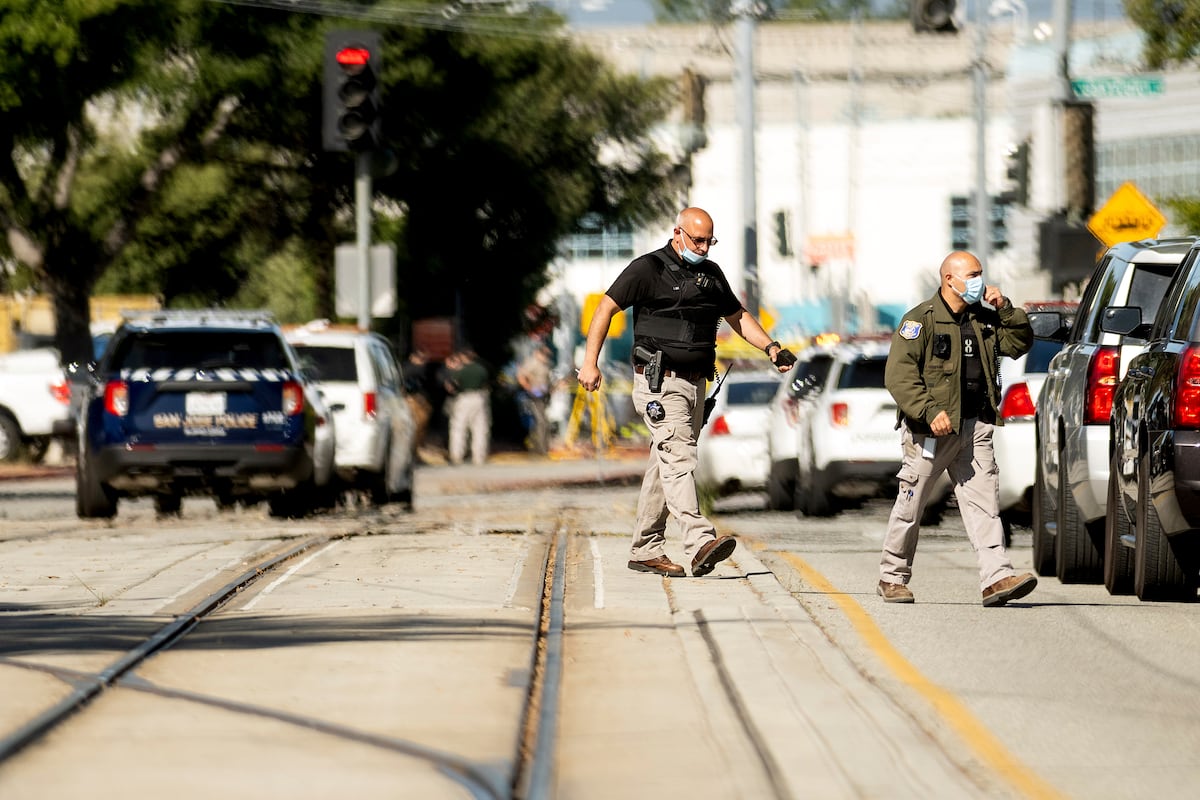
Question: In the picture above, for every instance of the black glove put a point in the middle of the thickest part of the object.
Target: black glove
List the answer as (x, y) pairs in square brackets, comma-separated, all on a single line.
[(784, 358)]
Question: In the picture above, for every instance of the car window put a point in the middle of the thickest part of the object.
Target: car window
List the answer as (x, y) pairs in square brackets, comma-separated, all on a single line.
[(1186, 320), (1098, 296), (1148, 287), (330, 363), (863, 373), (386, 366), (752, 393), (212, 350), (1040, 354)]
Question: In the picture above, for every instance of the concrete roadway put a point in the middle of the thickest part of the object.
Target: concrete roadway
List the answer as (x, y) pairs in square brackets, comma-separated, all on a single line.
[(779, 675)]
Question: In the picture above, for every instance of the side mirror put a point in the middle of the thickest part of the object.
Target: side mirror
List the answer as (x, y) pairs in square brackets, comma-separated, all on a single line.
[(1124, 320), (1050, 325)]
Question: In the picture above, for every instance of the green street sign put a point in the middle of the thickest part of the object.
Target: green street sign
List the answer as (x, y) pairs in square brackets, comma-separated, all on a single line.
[(1123, 86)]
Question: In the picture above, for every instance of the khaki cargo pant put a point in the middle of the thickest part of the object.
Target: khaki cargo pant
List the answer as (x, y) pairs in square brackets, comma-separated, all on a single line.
[(970, 460), (669, 486)]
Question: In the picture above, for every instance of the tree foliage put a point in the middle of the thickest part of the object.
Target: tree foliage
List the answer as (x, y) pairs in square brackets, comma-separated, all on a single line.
[(173, 147), (1172, 29)]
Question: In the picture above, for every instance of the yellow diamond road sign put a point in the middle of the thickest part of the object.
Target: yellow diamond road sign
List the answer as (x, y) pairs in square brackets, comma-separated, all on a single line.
[(1127, 217)]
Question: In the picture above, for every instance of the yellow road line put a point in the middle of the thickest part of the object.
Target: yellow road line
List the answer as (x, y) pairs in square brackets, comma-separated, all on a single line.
[(973, 732)]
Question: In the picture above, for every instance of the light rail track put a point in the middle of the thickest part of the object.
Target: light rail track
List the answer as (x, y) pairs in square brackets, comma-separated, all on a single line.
[(532, 767)]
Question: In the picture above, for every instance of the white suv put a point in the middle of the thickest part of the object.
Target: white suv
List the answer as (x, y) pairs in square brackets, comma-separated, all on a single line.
[(1070, 484), (798, 388), (847, 444), (361, 382)]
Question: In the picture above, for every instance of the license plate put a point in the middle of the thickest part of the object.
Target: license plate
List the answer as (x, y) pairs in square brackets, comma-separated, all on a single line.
[(205, 403)]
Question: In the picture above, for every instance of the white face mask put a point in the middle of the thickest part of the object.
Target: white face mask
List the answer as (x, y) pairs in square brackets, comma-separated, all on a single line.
[(690, 257), (973, 290)]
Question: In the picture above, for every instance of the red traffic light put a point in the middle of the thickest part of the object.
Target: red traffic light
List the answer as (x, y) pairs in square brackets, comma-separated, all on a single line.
[(353, 59)]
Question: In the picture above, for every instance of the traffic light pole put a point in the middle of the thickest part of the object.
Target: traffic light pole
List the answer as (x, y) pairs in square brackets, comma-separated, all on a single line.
[(362, 225)]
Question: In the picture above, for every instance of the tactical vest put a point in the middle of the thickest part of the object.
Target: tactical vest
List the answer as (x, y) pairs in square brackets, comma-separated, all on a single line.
[(684, 325)]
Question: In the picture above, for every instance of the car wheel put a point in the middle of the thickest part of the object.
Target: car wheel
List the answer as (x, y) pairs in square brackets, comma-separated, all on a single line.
[(816, 499), (1157, 571), (168, 504), (781, 485), (93, 500), (37, 448), (10, 439), (293, 503), (1118, 566), (1042, 516), (1076, 553)]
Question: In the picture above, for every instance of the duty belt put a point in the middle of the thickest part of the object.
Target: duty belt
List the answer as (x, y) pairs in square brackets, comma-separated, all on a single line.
[(674, 373)]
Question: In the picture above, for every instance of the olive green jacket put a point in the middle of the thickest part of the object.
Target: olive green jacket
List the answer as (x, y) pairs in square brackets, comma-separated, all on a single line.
[(924, 381)]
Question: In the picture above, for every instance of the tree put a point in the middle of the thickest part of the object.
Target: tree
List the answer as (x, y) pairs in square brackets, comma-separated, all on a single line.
[(1172, 29), (213, 183)]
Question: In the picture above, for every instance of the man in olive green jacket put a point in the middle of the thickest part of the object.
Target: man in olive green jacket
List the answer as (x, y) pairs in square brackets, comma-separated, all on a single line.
[(943, 371)]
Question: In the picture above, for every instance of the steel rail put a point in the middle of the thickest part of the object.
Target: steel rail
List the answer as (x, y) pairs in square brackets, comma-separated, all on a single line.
[(86, 689)]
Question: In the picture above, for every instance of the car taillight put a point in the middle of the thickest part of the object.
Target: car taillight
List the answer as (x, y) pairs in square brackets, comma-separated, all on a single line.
[(840, 414), (791, 410), (719, 427), (1101, 383), (369, 405), (61, 392), (116, 398), (1186, 413), (293, 398), (1017, 403)]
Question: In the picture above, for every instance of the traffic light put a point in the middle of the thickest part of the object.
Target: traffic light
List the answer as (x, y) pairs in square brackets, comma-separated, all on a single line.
[(352, 102), (782, 245), (1018, 172), (933, 16)]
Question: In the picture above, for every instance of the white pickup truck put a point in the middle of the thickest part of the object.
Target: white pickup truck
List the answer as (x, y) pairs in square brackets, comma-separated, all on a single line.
[(34, 402)]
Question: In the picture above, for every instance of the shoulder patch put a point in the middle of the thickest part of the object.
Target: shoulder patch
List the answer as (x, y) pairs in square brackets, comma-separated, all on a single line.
[(910, 329)]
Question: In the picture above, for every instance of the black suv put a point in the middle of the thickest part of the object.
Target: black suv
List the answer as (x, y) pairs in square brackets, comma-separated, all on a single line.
[(201, 402), (1152, 536)]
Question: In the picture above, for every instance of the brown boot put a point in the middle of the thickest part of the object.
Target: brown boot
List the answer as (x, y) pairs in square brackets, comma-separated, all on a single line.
[(709, 554), (661, 565), (1014, 587), (895, 593)]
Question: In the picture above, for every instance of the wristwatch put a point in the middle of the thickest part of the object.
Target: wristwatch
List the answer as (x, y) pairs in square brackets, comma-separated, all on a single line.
[(767, 349)]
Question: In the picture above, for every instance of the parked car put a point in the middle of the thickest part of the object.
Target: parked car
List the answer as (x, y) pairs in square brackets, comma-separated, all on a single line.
[(847, 439), (1152, 536), (362, 382), (1070, 488), (202, 402), (34, 401), (732, 447), (847, 445), (798, 387), (1014, 442)]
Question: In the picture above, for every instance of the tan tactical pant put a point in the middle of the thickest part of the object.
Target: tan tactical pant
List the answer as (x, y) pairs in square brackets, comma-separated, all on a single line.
[(669, 486), (971, 463), (470, 417)]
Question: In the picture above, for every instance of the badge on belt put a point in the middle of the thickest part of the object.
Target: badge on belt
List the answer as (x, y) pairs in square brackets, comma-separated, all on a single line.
[(655, 411)]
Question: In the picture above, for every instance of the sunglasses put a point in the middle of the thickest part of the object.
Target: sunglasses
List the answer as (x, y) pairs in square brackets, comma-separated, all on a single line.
[(710, 241)]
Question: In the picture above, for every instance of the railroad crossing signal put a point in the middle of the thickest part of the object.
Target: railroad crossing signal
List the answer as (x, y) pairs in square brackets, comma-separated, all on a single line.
[(1128, 216)]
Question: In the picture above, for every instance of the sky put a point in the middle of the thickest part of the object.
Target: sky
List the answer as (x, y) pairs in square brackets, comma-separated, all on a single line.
[(600, 13)]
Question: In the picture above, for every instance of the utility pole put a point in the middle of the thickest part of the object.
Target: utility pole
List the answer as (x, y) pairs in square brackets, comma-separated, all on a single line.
[(983, 201), (746, 12)]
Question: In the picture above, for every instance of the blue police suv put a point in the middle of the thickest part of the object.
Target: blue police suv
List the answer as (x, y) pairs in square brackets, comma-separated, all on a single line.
[(202, 402)]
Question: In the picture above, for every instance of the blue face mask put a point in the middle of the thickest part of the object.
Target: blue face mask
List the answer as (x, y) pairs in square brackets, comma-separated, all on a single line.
[(690, 257), (974, 290)]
